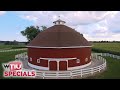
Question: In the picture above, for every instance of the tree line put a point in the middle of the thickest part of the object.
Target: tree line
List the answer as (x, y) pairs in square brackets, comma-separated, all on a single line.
[(30, 33), (105, 41)]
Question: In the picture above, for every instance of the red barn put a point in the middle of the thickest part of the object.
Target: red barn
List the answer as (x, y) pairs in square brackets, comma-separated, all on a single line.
[(59, 48)]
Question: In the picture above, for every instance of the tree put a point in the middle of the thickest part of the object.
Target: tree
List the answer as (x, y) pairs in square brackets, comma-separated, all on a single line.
[(7, 42), (32, 31), (15, 42)]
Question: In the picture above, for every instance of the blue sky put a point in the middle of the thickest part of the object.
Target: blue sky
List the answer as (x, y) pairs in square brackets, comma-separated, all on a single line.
[(11, 25), (94, 25)]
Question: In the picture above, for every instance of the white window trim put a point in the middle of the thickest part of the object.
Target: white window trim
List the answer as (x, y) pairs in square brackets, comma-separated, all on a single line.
[(58, 59), (30, 59), (90, 57), (78, 61), (60, 47), (38, 60), (86, 59)]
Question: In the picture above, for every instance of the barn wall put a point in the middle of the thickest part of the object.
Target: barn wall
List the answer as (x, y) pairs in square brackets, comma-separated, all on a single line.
[(80, 53)]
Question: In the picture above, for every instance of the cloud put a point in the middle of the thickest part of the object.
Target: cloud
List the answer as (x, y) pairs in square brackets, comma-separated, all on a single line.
[(31, 18), (113, 23), (95, 25), (2, 12), (71, 17)]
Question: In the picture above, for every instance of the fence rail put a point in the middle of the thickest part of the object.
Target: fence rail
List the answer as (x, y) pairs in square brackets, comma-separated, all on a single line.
[(22, 56), (70, 73), (107, 54)]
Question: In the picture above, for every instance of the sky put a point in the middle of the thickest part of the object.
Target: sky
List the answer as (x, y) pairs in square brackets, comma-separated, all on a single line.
[(94, 25)]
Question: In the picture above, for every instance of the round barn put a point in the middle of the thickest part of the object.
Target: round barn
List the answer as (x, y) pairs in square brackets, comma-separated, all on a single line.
[(59, 48)]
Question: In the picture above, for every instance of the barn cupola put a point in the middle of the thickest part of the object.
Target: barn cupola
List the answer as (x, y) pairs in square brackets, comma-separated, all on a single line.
[(59, 22)]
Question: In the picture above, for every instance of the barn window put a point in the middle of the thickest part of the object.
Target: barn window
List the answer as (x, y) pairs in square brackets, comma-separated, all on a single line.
[(78, 61), (86, 59), (90, 57), (30, 59), (38, 60)]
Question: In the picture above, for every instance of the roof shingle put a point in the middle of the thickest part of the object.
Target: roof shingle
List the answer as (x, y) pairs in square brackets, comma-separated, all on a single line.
[(59, 36)]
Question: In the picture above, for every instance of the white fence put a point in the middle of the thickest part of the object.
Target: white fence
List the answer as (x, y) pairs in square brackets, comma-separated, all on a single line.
[(69, 73), (22, 56), (12, 50), (107, 54), (72, 73)]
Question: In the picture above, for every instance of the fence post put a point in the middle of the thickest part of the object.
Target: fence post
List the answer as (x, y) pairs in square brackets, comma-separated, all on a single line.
[(104, 63), (112, 56), (43, 74), (91, 71), (57, 74), (105, 54), (102, 58), (24, 56), (81, 72), (99, 57), (118, 57), (99, 68), (96, 56), (102, 54), (71, 74)]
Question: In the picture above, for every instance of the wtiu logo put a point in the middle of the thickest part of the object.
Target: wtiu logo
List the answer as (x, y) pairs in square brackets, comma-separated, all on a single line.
[(11, 66), (14, 69)]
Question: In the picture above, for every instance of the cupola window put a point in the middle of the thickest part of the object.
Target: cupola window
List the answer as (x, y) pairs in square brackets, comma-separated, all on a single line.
[(59, 22)]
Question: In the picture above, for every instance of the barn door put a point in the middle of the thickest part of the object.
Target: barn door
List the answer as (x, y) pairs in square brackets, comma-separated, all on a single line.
[(53, 65), (62, 65)]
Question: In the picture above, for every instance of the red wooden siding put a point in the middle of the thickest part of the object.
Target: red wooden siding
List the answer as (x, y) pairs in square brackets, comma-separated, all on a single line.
[(79, 53), (43, 62)]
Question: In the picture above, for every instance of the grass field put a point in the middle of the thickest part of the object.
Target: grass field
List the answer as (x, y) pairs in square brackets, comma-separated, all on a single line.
[(107, 46), (9, 46), (113, 65), (112, 71)]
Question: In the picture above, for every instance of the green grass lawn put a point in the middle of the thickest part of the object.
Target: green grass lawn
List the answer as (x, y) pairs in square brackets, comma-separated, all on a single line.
[(9, 46), (113, 65), (107, 46), (112, 71)]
